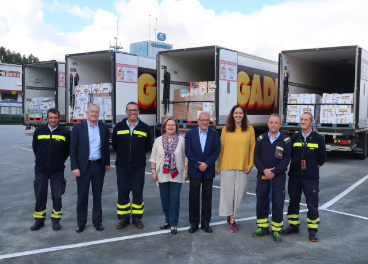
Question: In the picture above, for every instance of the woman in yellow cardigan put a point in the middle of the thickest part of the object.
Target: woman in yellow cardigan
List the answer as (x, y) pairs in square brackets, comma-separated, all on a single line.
[(235, 161)]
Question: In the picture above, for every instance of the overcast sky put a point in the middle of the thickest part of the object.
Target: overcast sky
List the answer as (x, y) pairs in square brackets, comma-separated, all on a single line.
[(52, 28)]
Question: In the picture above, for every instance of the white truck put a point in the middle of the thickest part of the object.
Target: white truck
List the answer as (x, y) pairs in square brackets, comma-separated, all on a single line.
[(235, 77), (125, 77), (339, 77), (43, 87)]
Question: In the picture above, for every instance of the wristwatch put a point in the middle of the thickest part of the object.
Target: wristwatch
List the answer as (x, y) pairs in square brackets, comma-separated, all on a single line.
[(185, 172)]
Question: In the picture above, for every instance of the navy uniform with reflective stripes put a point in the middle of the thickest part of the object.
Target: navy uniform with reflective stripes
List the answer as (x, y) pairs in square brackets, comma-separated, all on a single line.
[(51, 150), (131, 149), (313, 151), (267, 155)]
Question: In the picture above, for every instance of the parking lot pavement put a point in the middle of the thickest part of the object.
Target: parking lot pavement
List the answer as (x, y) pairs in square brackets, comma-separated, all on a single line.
[(343, 235)]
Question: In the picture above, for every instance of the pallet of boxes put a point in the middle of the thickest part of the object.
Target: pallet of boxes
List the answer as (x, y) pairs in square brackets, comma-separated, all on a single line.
[(189, 103), (37, 109), (336, 110), (85, 95), (301, 103)]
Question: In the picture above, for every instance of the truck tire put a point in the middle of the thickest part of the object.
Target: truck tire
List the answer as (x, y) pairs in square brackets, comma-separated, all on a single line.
[(362, 156)]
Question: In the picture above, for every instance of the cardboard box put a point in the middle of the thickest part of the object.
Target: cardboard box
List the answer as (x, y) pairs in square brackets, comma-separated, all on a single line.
[(293, 108), (347, 98), (293, 117), (293, 99), (349, 119), (209, 97), (96, 88), (106, 88), (333, 119), (309, 98), (328, 109), (211, 84), (340, 119), (191, 115), (193, 85), (202, 86), (78, 89), (343, 109), (193, 91), (334, 98), (180, 115), (324, 118)]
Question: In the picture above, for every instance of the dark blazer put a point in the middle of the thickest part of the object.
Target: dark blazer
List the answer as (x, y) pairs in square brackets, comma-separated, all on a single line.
[(193, 151), (79, 146)]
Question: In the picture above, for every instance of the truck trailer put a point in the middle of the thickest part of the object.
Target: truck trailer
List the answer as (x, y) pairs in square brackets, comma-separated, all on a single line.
[(214, 79), (332, 84), (43, 87), (110, 79)]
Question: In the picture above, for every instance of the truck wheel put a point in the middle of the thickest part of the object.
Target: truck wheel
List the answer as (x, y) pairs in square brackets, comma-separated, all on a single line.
[(363, 155)]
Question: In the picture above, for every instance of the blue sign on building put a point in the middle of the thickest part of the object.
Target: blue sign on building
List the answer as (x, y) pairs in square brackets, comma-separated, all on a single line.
[(162, 46), (161, 36)]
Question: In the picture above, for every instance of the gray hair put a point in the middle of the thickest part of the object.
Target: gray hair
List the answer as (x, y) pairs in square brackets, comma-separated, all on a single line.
[(311, 116), (274, 114), (91, 105), (203, 112)]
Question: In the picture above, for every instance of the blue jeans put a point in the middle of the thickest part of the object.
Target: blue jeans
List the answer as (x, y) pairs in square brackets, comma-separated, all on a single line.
[(170, 200)]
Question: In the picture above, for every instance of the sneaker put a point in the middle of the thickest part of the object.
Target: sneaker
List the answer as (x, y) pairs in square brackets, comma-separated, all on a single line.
[(228, 220), (233, 227), (276, 237), (260, 232), (312, 237), (37, 225), (290, 230), (56, 225), (122, 224), (138, 223)]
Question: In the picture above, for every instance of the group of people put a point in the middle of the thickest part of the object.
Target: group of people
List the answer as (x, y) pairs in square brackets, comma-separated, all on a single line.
[(174, 160)]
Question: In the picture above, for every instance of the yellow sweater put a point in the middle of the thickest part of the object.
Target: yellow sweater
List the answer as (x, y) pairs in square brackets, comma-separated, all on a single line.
[(237, 150)]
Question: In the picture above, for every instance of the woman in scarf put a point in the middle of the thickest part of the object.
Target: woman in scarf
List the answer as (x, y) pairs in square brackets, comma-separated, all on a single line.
[(169, 167)]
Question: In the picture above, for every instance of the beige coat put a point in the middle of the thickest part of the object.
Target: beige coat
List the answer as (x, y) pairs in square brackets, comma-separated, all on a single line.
[(158, 155)]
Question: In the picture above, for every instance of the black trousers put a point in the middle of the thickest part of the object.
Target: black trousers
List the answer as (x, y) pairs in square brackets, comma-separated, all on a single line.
[(263, 201), (194, 200), (310, 188), (57, 184), (96, 175), (130, 180)]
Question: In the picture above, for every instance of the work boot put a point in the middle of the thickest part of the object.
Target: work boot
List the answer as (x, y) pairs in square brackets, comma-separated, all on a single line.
[(312, 237), (122, 224), (290, 230), (276, 237), (138, 223), (56, 225), (260, 232), (37, 225)]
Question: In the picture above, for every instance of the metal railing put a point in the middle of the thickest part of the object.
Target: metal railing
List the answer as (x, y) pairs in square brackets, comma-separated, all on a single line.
[(11, 115)]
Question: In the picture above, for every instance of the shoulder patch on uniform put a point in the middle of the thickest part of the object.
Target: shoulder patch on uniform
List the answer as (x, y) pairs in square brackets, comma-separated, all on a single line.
[(287, 140), (259, 138)]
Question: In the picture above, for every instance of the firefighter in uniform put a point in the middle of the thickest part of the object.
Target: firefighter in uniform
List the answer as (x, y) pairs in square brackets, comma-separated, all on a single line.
[(51, 147), (271, 158), (307, 156), (131, 139)]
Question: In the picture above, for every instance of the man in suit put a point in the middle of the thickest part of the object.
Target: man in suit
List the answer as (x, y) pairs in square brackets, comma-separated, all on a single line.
[(202, 147), (90, 159)]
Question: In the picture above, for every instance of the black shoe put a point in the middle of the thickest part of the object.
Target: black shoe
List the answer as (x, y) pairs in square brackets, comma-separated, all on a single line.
[(206, 228), (80, 228), (138, 223), (37, 225), (260, 232), (276, 237), (122, 224), (56, 225), (165, 226), (290, 230), (99, 227), (312, 237), (174, 231), (193, 229)]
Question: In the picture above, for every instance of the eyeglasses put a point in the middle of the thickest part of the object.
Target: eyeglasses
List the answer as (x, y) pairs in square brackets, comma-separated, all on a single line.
[(132, 110), (204, 120)]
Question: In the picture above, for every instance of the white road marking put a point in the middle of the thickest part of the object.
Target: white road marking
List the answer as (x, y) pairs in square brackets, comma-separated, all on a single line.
[(341, 195), (338, 212), (90, 243), (22, 148)]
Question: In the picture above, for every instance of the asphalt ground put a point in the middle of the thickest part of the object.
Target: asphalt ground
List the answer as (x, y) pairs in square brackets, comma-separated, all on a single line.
[(343, 232)]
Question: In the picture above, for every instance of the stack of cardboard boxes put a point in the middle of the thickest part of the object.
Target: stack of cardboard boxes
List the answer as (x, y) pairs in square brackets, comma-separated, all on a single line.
[(190, 103), (99, 94), (338, 108), (39, 106), (301, 103)]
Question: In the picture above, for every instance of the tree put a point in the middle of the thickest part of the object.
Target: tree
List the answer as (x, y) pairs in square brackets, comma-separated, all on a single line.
[(6, 56)]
